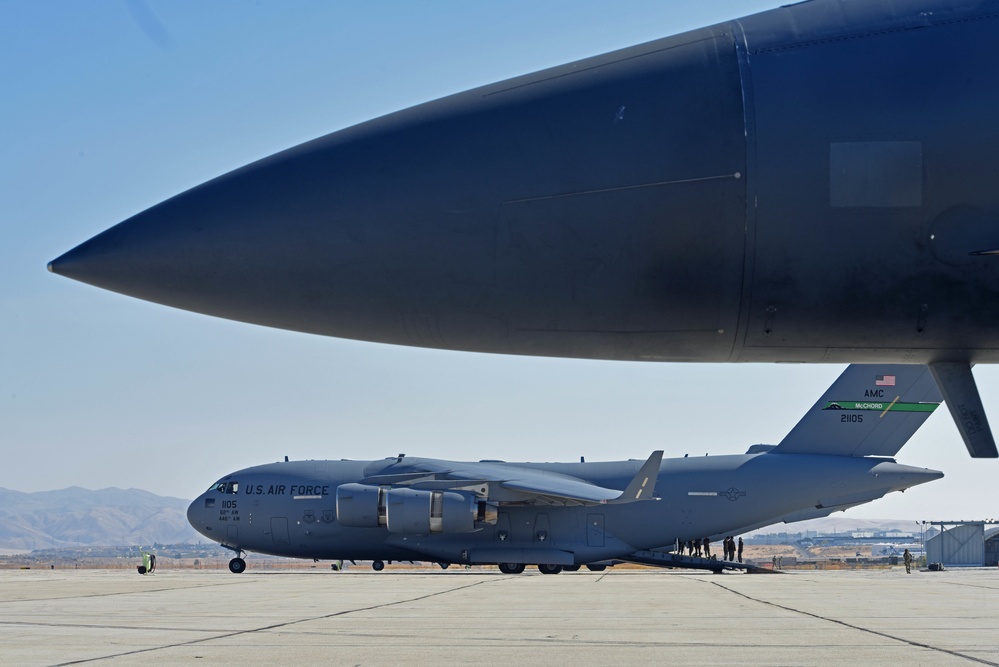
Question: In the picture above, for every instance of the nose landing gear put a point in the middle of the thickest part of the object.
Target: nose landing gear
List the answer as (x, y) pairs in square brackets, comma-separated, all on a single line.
[(237, 565)]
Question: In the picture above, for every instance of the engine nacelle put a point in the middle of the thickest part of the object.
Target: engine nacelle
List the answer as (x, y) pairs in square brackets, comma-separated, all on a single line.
[(360, 505), (419, 512), (411, 511)]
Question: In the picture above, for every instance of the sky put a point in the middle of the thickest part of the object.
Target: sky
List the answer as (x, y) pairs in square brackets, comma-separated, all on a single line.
[(112, 107)]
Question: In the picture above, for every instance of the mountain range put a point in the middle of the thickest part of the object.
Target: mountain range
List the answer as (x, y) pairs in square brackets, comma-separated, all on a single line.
[(77, 517)]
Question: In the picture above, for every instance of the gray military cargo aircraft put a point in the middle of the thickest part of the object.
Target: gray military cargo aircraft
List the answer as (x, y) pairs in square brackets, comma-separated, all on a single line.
[(564, 515), (814, 183)]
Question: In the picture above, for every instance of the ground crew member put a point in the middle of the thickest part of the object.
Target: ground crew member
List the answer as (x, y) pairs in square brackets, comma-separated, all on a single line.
[(907, 558), (740, 549), (707, 548)]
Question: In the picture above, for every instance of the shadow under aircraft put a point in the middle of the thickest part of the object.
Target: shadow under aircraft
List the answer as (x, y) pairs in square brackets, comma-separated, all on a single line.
[(566, 515), (815, 183)]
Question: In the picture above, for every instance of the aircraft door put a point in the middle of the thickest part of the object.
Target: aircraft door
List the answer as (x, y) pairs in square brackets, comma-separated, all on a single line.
[(594, 530), (279, 530)]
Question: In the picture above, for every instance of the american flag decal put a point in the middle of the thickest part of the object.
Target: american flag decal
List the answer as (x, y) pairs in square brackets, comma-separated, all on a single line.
[(884, 381)]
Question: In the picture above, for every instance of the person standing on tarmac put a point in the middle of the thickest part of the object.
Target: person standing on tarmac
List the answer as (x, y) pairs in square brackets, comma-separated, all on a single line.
[(907, 558), (707, 548), (740, 549)]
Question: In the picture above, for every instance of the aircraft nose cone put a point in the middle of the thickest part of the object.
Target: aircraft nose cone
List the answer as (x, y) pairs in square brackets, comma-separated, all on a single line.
[(89, 262), (197, 518), (234, 247)]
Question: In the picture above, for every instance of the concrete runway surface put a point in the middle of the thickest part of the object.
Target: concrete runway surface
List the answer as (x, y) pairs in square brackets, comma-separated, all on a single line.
[(481, 617)]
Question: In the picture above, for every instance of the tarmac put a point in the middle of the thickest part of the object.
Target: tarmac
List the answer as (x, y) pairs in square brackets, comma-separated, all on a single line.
[(313, 616)]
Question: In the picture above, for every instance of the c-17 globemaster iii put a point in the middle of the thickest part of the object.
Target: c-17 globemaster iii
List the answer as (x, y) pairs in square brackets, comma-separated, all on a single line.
[(565, 515)]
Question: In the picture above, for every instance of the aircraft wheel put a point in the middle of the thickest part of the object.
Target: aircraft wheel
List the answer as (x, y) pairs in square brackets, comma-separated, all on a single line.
[(571, 568), (141, 569), (548, 568), (237, 565), (377, 565), (596, 568), (511, 568)]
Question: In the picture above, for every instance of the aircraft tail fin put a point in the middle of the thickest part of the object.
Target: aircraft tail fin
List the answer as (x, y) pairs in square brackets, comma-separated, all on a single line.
[(870, 410)]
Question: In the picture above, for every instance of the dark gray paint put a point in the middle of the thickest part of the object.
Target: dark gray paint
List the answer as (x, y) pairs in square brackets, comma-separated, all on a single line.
[(815, 183)]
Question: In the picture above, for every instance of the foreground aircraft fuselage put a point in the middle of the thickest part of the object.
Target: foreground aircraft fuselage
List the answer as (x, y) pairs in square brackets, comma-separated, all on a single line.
[(815, 183), (316, 509), (569, 514)]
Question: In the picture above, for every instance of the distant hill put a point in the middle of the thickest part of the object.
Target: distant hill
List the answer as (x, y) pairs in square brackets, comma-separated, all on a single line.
[(840, 523), (76, 517)]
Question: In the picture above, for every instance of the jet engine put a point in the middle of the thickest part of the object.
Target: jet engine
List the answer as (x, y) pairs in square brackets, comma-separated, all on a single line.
[(411, 511), (360, 505)]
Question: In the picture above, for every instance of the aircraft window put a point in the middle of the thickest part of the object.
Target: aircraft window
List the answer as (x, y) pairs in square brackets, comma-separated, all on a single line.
[(225, 487)]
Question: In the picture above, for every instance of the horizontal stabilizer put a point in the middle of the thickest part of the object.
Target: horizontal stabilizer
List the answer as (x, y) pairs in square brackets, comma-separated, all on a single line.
[(870, 410)]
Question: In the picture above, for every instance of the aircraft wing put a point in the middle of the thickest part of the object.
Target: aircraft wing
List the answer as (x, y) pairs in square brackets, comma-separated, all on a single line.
[(562, 491), (521, 485)]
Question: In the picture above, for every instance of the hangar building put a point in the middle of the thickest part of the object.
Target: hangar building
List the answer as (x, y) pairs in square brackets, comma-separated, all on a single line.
[(964, 543)]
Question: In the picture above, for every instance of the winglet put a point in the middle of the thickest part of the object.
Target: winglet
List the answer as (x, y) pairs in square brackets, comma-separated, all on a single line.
[(644, 483)]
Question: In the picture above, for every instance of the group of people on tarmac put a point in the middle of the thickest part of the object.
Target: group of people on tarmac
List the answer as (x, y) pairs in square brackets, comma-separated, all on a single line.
[(702, 548)]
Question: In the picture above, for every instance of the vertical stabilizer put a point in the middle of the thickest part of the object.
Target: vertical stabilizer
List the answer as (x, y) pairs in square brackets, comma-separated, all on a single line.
[(870, 410)]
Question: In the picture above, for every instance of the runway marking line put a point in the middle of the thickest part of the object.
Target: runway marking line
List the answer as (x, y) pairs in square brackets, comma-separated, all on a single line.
[(856, 627), (278, 625)]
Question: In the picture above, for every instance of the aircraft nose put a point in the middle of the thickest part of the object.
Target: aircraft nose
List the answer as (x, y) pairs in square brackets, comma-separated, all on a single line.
[(478, 220), (196, 515), (299, 241)]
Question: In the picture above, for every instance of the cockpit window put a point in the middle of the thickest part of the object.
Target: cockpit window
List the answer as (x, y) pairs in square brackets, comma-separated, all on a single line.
[(225, 487)]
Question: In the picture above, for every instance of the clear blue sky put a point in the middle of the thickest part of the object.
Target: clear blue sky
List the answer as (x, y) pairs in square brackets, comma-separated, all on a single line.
[(111, 107)]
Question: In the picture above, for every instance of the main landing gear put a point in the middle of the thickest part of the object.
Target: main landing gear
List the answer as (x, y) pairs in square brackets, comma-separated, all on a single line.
[(548, 568), (511, 568)]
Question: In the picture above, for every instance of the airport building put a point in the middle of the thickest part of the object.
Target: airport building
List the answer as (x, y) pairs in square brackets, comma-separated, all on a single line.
[(964, 544)]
